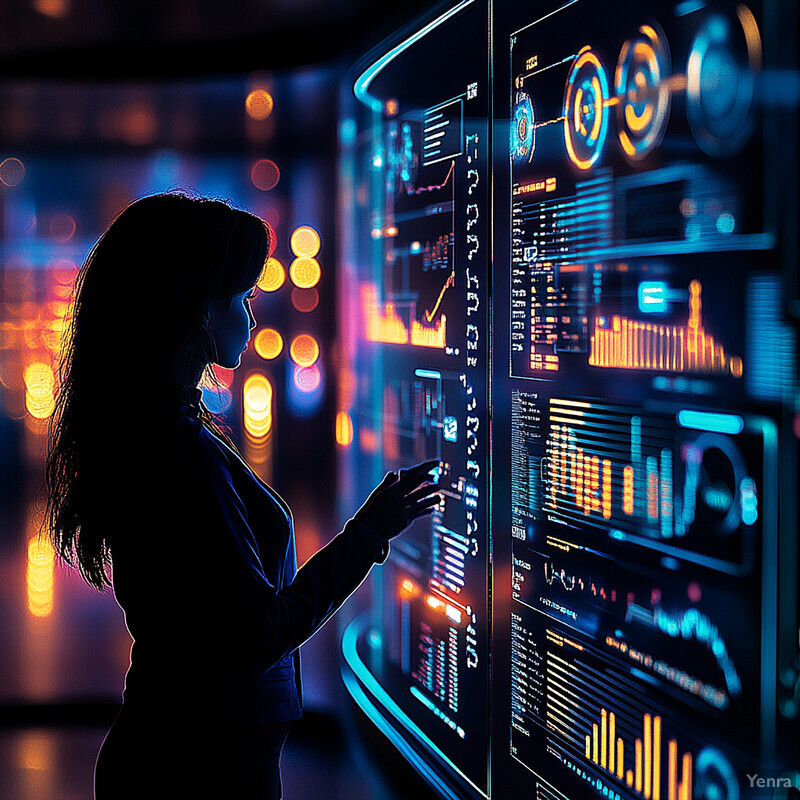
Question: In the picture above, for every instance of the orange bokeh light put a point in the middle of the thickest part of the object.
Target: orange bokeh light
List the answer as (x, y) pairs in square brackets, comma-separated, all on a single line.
[(304, 350), (259, 104), (268, 343), (273, 276)]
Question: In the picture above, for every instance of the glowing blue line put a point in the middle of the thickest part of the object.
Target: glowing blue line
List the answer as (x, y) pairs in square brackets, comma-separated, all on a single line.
[(428, 373), (710, 421), (437, 125), (363, 82), (689, 7), (362, 673)]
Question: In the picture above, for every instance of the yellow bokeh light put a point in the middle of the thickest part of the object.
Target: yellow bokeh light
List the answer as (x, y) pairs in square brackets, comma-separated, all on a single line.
[(273, 276), (344, 429), (40, 576), (304, 350), (268, 343), (259, 104), (39, 390), (305, 272), (257, 405), (305, 241)]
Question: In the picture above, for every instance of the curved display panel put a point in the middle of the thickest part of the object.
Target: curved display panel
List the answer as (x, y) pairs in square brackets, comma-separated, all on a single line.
[(569, 278)]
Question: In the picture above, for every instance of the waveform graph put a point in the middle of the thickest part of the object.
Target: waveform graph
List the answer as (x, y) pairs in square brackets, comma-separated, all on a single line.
[(586, 104), (624, 343), (384, 322), (643, 91)]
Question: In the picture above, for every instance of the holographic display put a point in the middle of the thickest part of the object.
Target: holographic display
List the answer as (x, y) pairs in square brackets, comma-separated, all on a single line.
[(600, 273)]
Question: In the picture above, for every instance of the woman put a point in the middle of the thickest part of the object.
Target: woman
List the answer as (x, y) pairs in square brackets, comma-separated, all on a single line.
[(147, 494)]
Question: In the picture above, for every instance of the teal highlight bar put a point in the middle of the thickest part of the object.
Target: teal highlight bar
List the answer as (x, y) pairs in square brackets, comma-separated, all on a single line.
[(710, 421), (428, 373)]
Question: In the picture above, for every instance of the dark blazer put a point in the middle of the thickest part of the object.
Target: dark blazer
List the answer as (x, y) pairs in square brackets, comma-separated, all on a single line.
[(218, 616)]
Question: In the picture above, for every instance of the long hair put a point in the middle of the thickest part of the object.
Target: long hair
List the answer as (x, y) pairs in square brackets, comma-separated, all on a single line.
[(142, 296)]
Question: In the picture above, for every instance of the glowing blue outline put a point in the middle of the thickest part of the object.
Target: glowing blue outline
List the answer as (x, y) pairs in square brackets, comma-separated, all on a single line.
[(362, 83), (361, 673)]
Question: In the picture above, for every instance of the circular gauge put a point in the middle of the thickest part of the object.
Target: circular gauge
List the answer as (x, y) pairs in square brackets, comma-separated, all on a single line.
[(523, 136), (715, 778), (643, 92), (586, 109), (724, 59)]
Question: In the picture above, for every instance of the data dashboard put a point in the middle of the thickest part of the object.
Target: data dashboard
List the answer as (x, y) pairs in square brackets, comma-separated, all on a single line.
[(569, 275)]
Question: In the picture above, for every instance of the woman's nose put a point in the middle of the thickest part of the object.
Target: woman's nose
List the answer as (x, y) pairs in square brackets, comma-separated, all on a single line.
[(253, 322)]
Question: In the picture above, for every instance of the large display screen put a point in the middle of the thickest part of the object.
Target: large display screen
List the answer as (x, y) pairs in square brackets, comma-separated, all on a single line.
[(572, 269)]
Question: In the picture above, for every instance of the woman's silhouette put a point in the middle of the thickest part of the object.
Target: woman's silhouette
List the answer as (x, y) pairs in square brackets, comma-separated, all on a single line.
[(147, 494)]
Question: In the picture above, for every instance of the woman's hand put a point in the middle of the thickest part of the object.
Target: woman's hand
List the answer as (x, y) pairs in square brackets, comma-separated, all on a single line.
[(399, 499)]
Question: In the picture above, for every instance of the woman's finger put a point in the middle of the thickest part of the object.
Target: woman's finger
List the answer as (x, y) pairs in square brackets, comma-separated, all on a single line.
[(422, 491), (421, 508)]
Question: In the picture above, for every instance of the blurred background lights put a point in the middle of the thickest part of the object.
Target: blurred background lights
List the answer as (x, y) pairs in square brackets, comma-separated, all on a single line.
[(12, 171), (273, 276), (304, 350), (268, 343), (39, 576), (305, 272), (307, 379), (259, 104), (344, 429), (39, 390), (305, 300), (305, 241), (265, 174), (257, 405)]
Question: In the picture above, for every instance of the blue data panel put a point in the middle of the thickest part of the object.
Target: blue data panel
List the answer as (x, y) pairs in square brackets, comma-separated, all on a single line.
[(416, 296), (640, 380)]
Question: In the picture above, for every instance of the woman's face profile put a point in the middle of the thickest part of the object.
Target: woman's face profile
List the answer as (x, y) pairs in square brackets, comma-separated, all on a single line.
[(231, 321)]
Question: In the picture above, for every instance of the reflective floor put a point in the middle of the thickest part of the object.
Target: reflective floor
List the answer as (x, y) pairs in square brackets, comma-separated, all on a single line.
[(320, 759)]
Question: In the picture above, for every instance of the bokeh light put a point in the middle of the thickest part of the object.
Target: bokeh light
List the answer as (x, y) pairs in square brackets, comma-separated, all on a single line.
[(307, 379), (259, 104), (12, 171), (305, 241), (305, 300), (39, 390), (257, 405), (39, 576), (273, 276), (304, 350), (268, 343), (265, 174), (305, 272), (344, 429)]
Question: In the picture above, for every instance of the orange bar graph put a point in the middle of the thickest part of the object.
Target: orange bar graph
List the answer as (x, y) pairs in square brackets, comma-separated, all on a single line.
[(637, 764), (629, 344), (606, 749), (672, 781), (648, 756)]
